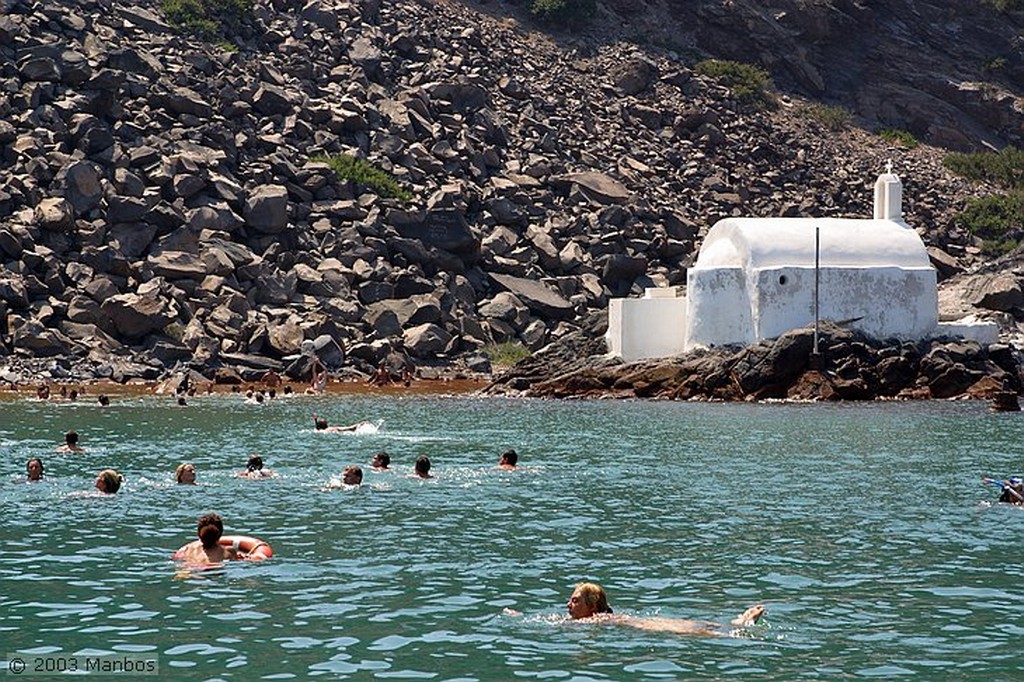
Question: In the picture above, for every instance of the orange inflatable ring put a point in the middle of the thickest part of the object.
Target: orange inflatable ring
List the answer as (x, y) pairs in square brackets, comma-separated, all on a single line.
[(251, 548)]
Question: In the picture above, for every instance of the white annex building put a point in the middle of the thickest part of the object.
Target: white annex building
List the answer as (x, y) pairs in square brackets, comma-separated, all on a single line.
[(754, 279)]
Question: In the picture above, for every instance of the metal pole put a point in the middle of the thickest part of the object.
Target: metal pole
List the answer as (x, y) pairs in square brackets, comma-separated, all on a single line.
[(817, 283)]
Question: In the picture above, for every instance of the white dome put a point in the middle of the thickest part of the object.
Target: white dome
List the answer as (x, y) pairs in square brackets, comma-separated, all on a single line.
[(756, 243)]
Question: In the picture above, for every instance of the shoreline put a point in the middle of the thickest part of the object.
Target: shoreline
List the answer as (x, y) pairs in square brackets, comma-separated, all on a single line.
[(89, 391)]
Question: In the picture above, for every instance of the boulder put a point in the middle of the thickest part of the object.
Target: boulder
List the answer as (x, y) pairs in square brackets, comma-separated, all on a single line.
[(177, 265), (544, 301), (134, 316), (426, 340), (55, 214), (285, 337), (266, 209), (598, 187), (82, 186)]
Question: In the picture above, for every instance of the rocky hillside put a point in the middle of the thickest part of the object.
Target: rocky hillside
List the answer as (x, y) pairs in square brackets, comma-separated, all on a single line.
[(949, 71), (164, 200)]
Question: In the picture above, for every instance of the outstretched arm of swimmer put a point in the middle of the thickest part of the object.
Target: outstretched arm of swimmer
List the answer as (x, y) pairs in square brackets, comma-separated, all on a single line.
[(1005, 485)]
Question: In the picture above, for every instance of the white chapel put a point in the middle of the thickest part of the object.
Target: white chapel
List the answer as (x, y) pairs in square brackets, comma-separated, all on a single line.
[(757, 278)]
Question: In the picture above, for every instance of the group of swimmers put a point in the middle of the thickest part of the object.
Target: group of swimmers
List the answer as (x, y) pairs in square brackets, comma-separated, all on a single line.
[(109, 481)]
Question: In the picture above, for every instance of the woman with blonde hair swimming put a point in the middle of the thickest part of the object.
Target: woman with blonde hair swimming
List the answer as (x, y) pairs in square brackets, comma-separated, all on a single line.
[(109, 481), (590, 602), (185, 474)]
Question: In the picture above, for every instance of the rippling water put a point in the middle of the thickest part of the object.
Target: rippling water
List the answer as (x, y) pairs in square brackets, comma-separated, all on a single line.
[(863, 528)]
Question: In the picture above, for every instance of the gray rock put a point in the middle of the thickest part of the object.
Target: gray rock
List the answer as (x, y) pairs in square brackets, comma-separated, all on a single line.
[(55, 214), (599, 187), (134, 316), (539, 298), (266, 209), (285, 337), (426, 340), (177, 265), (82, 186), (271, 100)]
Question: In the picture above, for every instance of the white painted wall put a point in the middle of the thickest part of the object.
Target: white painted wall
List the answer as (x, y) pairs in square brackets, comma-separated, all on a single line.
[(640, 328), (718, 309), (890, 302)]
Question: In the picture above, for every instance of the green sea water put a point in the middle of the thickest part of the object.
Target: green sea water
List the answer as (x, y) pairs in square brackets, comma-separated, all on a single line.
[(865, 530)]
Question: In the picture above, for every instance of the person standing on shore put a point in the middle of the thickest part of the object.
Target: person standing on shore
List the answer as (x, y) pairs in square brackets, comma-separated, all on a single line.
[(318, 378)]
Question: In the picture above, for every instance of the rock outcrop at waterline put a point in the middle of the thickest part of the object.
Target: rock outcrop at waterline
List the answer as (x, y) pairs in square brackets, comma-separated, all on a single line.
[(849, 366), (161, 202)]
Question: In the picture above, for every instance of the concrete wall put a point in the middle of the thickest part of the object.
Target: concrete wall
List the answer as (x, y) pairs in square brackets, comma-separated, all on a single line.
[(640, 328), (718, 308), (889, 301)]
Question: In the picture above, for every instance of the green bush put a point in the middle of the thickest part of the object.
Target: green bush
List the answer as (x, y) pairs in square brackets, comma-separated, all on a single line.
[(898, 137), (506, 354), (563, 12), (998, 221), (1005, 168), (748, 83), (365, 174), (996, 64), (833, 118), (1005, 5), (206, 19)]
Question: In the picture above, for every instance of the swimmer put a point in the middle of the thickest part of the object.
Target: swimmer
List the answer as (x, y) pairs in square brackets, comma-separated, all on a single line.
[(207, 549), (508, 460), (185, 474), (182, 402), (422, 467), (109, 481), (381, 461), (288, 391), (590, 602), (34, 469), (43, 392), (103, 400), (321, 425), (70, 443), (254, 469), (1013, 489), (351, 476)]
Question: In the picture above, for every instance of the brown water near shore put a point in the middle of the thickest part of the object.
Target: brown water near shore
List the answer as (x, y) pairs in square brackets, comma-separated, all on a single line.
[(90, 391)]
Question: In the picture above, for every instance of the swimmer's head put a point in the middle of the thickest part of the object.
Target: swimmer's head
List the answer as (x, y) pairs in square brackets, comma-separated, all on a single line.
[(352, 475), (185, 473), (381, 460), (103, 400), (287, 390), (509, 457), (321, 423), (255, 463), (109, 481), (35, 469), (71, 438), (422, 466), (181, 401), (209, 529), (588, 599)]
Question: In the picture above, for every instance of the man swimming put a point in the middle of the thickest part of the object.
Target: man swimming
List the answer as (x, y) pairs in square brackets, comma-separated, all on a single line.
[(254, 469), (421, 469), (508, 460), (381, 461), (207, 549), (70, 443)]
